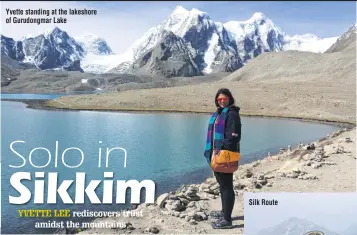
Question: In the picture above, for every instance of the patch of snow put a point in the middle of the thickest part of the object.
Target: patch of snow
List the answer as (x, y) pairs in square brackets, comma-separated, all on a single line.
[(84, 80), (103, 63), (257, 16), (29, 59), (311, 44), (210, 53), (197, 12)]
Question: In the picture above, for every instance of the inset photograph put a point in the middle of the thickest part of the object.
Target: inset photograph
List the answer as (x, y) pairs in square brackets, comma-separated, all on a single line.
[(300, 213)]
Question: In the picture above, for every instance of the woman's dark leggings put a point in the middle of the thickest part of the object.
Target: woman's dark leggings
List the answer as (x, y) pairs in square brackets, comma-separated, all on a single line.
[(225, 181)]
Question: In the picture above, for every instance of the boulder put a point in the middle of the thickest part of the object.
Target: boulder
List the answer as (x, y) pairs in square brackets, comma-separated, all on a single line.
[(161, 200), (174, 205)]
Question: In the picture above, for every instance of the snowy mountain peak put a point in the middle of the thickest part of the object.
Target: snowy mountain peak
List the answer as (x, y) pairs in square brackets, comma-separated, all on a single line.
[(93, 44), (180, 10), (56, 30), (258, 16), (53, 31)]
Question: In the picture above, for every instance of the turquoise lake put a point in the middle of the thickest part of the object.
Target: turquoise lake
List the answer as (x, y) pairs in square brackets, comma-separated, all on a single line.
[(164, 147)]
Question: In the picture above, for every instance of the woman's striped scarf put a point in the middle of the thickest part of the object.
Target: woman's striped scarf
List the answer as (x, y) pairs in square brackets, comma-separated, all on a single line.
[(218, 134)]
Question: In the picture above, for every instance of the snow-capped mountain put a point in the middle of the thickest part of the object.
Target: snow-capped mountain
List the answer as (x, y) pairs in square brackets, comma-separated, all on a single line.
[(208, 45), (255, 36), (207, 41), (171, 58), (92, 44), (55, 49), (296, 226), (219, 46), (12, 48), (308, 42)]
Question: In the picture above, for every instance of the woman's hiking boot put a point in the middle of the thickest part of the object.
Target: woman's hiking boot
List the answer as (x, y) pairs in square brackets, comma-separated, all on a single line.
[(221, 224)]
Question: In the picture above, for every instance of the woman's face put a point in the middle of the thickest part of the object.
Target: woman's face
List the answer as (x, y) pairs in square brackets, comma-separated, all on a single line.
[(223, 100)]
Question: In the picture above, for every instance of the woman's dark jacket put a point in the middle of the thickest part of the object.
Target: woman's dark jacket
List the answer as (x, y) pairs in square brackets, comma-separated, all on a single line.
[(232, 133)]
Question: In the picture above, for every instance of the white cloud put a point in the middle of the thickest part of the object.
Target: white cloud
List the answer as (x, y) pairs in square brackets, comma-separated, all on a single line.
[(120, 27)]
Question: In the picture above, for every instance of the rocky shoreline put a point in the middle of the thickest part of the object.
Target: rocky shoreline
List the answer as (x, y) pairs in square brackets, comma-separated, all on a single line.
[(326, 165)]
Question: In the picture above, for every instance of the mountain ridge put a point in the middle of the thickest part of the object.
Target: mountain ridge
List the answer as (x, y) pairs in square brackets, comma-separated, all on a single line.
[(214, 46)]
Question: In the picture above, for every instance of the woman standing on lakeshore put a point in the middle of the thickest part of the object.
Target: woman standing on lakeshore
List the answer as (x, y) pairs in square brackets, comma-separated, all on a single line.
[(223, 139)]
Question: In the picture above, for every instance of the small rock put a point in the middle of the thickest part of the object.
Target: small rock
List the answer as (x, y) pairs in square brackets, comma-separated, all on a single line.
[(174, 205), (262, 182), (173, 197), (269, 177), (191, 213), (176, 213), (204, 187), (316, 165), (191, 204), (184, 200), (165, 212), (194, 198), (310, 147), (260, 177), (309, 177), (238, 185), (214, 187), (202, 215), (281, 174), (255, 164), (129, 226), (192, 222), (154, 230), (246, 174), (329, 163)]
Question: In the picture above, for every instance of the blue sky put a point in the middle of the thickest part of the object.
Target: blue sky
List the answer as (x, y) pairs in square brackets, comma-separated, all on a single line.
[(120, 23), (325, 19)]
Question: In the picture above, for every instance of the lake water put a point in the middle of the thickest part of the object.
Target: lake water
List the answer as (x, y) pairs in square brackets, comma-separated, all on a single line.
[(166, 148)]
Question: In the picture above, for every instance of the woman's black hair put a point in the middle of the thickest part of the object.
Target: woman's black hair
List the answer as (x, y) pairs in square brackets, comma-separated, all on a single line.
[(226, 92)]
